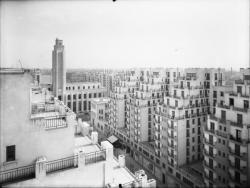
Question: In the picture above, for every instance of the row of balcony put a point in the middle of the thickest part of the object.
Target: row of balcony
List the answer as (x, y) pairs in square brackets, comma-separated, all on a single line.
[(182, 116), (210, 154), (241, 154), (229, 122), (241, 168), (245, 110), (242, 180)]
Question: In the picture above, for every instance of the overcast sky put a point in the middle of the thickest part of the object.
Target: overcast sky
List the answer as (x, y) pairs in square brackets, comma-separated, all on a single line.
[(127, 33)]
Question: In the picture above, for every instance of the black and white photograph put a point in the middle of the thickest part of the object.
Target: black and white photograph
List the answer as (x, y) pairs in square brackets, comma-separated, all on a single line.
[(125, 93)]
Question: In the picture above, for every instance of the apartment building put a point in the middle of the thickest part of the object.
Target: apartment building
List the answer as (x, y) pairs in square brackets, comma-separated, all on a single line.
[(141, 107), (32, 121), (227, 138), (78, 95), (99, 115)]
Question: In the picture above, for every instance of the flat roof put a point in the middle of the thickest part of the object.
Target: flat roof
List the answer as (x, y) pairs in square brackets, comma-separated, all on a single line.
[(88, 176), (82, 141), (112, 139), (91, 175), (11, 71), (100, 100)]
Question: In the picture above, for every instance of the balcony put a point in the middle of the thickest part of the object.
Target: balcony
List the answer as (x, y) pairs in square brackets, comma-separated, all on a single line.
[(211, 167), (238, 140), (172, 145), (207, 141), (241, 168), (172, 127), (211, 178), (210, 154), (243, 155), (171, 136), (209, 130), (242, 181), (221, 133)]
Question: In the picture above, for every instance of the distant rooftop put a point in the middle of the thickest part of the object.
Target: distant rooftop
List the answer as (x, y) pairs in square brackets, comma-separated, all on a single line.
[(12, 70), (99, 100)]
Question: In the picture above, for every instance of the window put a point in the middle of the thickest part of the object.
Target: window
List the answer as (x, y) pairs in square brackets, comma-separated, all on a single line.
[(238, 134), (246, 104), (231, 102), (11, 153), (239, 89), (176, 103), (188, 125), (215, 94), (79, 106), (222, 94), (223, 115), (239, 119), (212, 126)]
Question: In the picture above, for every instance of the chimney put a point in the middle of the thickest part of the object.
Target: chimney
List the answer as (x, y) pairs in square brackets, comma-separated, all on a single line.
[(121, 160)]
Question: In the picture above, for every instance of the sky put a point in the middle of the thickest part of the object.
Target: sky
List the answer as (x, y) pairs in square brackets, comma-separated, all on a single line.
[(126, 33)]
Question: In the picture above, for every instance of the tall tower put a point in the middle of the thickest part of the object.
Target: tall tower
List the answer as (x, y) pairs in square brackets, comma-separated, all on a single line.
[(58, 70)]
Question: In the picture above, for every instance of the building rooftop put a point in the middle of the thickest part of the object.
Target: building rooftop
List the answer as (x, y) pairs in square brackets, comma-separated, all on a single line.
[(89, 176), (44, 105), (12, 70), (100, 100), (93, 174)]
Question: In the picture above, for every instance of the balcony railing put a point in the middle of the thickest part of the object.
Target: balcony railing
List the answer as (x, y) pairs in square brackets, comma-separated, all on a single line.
[(221, 133), (242, 169), (60, 164), (95, 157), (239, 140), (209, 130), (213, 155), (243, 155), (210, 142), (17, 174), (212, 167)]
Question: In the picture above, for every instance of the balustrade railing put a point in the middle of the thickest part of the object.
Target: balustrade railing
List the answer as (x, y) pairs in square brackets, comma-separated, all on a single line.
[(17, 174), (94, 157), (61, 164)]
